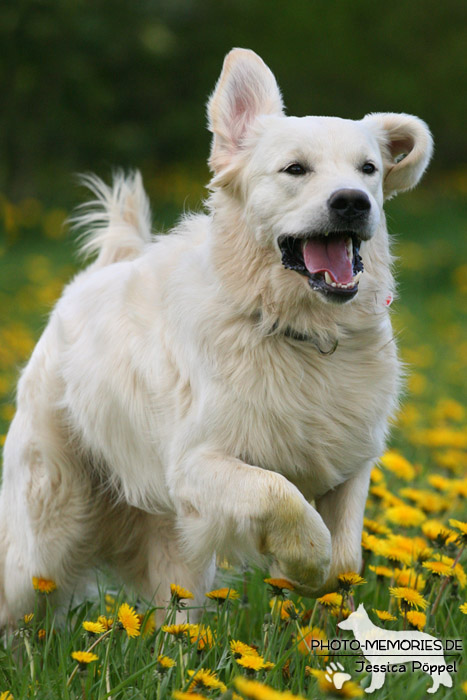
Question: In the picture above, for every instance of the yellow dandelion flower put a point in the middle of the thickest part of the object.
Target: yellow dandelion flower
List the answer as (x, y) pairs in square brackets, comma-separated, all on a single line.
[(406, 516), (166, 662), (179, 593), (464, 687), (454, 460), (27, 619), (181, 695), (93, 627), (6, 695), (330, 600), (401, 548), (106, 622), (283, 609), (460, 525), (448, 409), (348, 580), (384, 615), (409, 577), (382, 571), (177, 630), (279, 585), (254, 690), (426, 500), (409, 596), (84, 657), (416, 619), (41, 634), (205, 679), (202, 636), (309, 640), (439, 482), (458, 569), (110, 602), (326, 685), (436, 531), (371, 543), (383, 494), (129, 620), (398, 465), (341, 613), (441, 437), (221, 594), (463, 608), (241, 649), (375, 527), (459, 488), (43, 585), (147, 623), (253, 663), (377, 476), (438, 568)]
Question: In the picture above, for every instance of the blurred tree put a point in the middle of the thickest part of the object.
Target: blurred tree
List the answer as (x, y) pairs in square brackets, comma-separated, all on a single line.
[(88, 85)]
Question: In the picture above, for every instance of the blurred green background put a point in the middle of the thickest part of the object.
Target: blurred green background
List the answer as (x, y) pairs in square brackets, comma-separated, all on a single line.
[(87, 85)]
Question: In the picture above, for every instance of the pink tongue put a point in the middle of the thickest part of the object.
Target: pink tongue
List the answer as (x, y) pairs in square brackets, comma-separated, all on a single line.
[(328, 254)]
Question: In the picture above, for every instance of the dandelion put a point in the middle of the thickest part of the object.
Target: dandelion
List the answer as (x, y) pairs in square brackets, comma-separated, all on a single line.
[(43, 585), (438, 533), (438, 568), (330, 600), (382, 572), (408, 597), (221, 594), (348, 580), (147, 623), (106, 622), (384, 615), (278, 585), (463, 608), (94, 627), (416, 619), (254, 690), (6, 695), (84, 657), (180, 695), (205, 679), (254, 663), (201, 635), (283, 609), (241, 649), (179, 593), (309, 634), (348, 690), (27, 619), (459, 525), (371, 543), (375, 527), (439, 482), (41, 634), (398, 465), (406, 516), (177, 631), (129, 620), (165, 662)]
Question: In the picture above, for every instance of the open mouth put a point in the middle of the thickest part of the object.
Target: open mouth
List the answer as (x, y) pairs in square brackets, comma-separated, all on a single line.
[(331, 261)]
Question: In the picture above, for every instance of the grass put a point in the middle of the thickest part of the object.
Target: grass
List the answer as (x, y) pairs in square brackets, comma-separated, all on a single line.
[(419, 486)]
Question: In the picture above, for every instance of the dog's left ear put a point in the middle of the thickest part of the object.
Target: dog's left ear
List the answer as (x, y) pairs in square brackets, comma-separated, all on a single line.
[(245, 90), (406, 145)]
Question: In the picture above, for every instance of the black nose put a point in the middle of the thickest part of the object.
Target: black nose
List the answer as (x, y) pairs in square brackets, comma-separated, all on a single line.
[(349, 204)]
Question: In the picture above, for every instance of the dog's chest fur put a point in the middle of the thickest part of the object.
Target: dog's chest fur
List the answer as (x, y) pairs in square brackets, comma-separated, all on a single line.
[(281, 405)]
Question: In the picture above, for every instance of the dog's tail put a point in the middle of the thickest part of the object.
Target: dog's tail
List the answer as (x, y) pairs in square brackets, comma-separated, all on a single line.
[(116, 224)]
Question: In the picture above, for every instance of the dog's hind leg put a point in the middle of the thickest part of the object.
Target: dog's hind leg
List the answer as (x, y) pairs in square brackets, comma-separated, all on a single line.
[(377, 681), (45, 506)]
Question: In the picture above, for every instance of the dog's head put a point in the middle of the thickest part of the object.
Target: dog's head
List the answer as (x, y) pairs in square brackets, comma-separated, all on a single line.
[(311, 189)]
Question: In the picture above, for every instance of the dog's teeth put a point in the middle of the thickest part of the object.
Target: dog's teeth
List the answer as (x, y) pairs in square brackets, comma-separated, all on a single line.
[(327, 278), (349, 245), (333, 284), (357, 277)]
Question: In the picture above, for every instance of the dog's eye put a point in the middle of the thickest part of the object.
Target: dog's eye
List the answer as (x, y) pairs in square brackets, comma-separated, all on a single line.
[(368, 168), (295, 169)]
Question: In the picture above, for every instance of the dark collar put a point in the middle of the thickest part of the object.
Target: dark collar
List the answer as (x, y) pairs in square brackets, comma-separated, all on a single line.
[(289, 332)]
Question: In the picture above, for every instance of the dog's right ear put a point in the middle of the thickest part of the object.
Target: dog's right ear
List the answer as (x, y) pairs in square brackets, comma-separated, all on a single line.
[(246, 89)]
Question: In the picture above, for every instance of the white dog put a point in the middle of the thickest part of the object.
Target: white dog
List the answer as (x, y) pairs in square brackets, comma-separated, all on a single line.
[(227, 387)]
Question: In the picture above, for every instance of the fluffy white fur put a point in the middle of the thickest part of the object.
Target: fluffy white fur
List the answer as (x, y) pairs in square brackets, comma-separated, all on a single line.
[(165, 416)]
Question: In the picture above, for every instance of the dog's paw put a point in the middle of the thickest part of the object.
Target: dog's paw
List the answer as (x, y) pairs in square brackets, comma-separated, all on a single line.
[(335, 675), (301, 547)]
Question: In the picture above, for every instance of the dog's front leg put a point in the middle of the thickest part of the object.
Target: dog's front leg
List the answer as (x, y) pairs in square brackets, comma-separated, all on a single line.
[(225, 504), (342, 510)]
